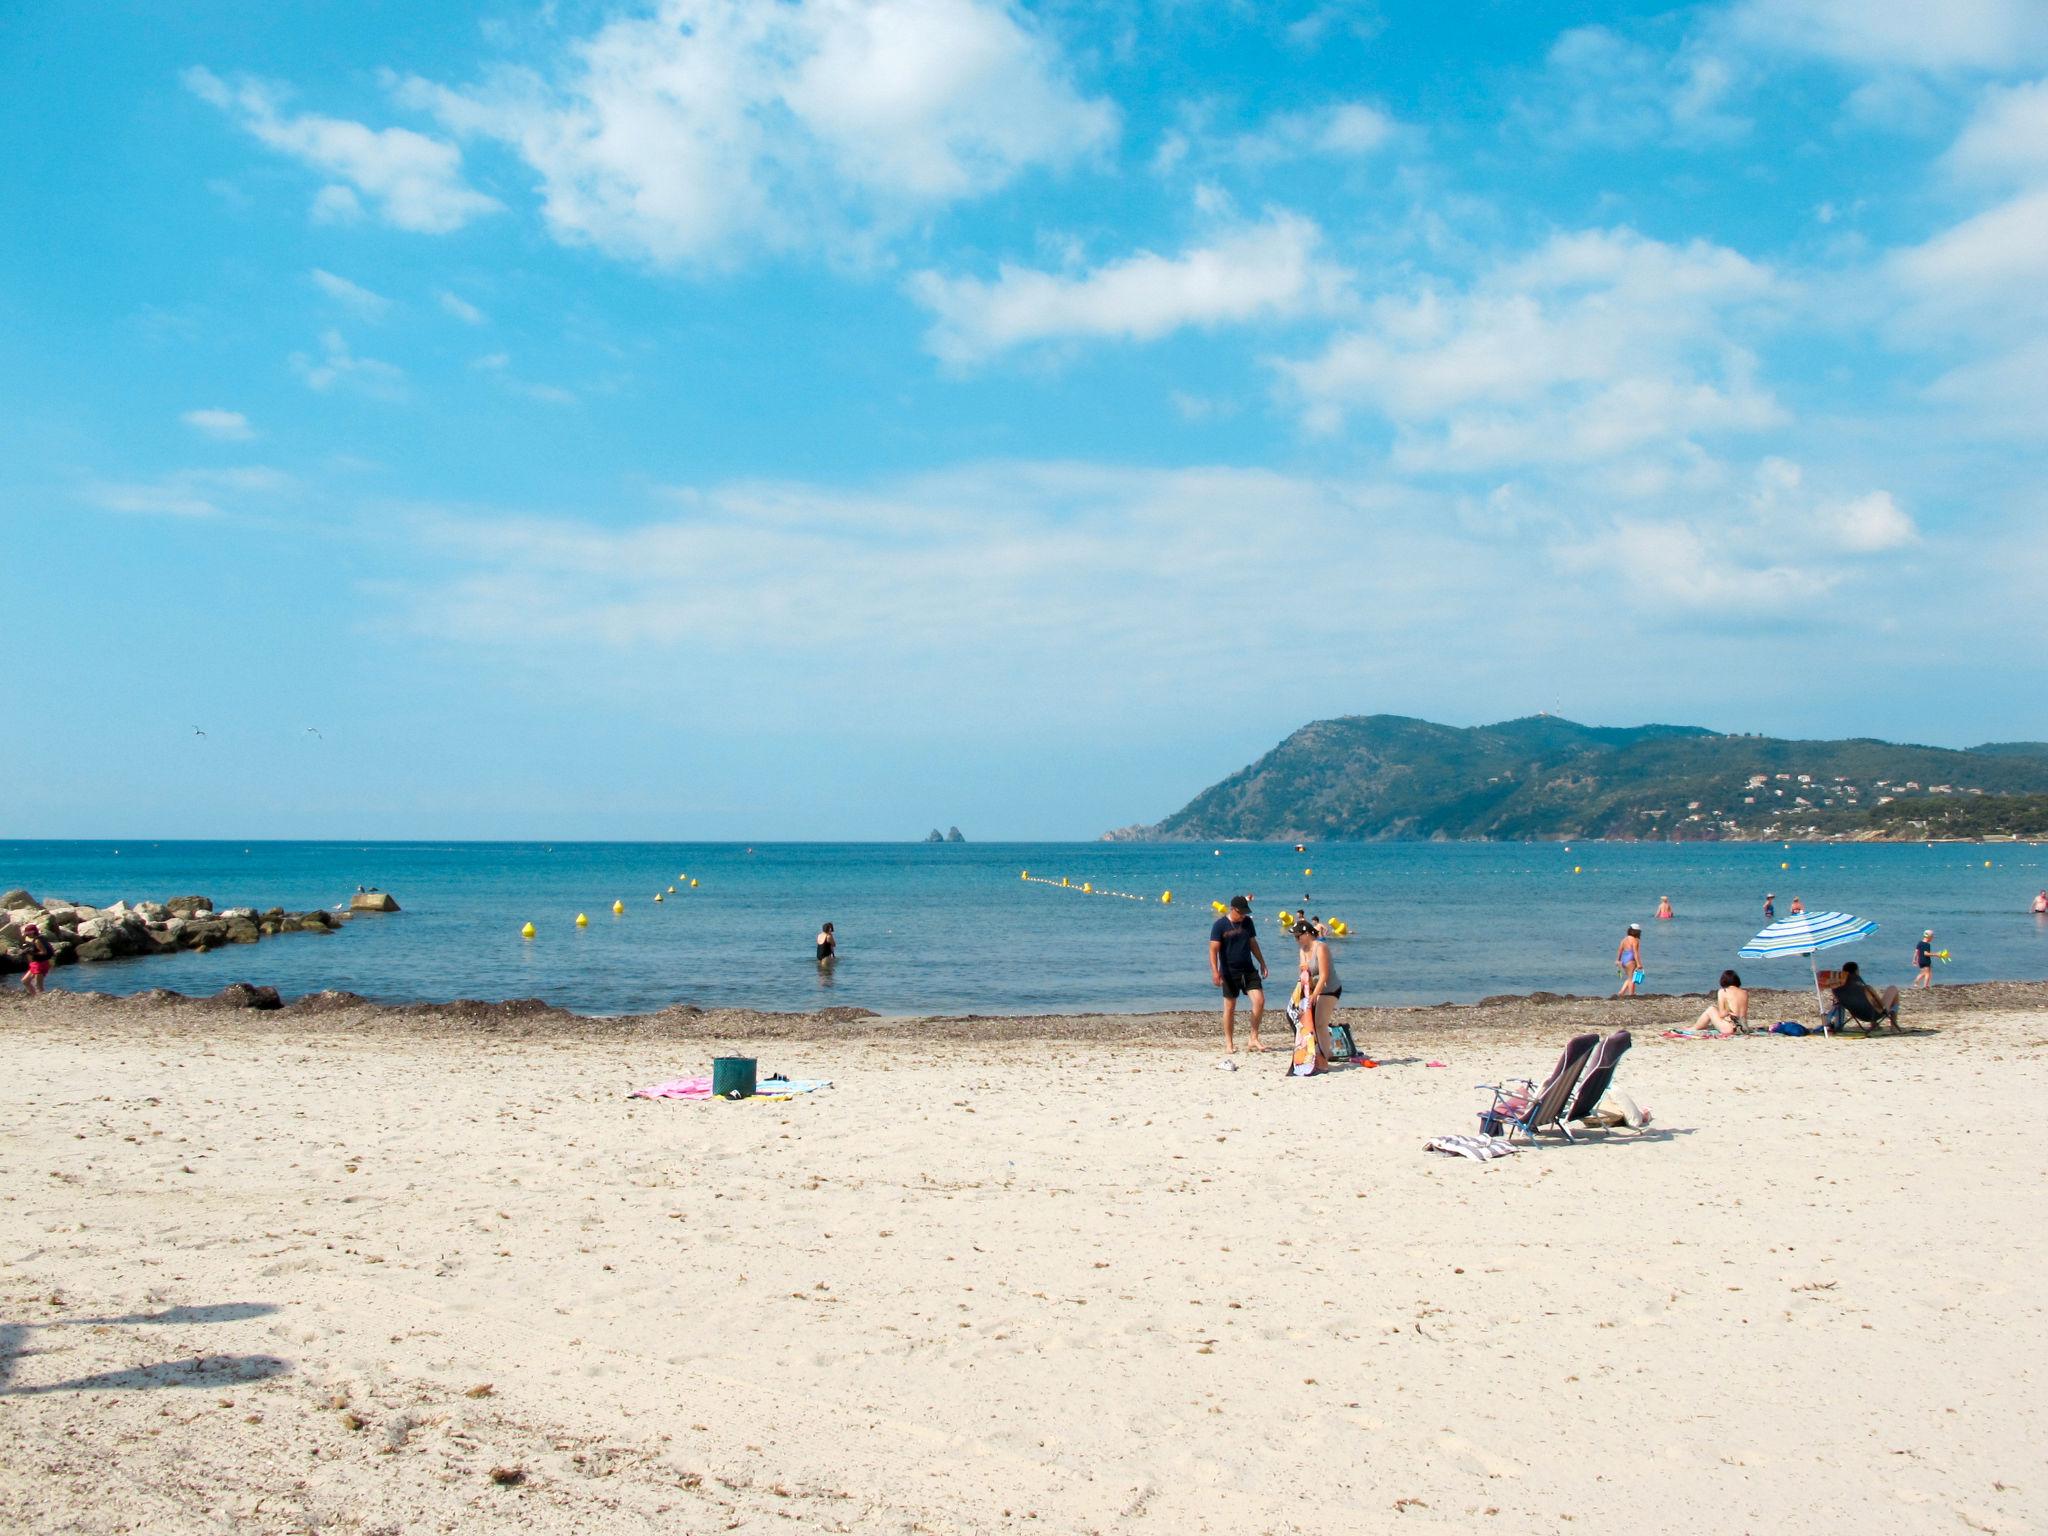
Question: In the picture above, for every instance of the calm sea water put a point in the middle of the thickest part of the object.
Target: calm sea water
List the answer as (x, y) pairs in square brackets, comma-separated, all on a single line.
[(950, 929)]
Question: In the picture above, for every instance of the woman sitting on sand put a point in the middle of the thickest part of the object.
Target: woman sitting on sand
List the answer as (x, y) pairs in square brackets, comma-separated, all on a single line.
[(1728, 1013), (1316, 1002)]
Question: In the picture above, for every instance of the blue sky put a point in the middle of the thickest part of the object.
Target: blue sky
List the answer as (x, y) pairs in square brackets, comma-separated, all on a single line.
[(829, 419)]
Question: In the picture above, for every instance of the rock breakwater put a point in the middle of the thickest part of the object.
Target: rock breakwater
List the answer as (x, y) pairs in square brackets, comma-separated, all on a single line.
[(81, 933)]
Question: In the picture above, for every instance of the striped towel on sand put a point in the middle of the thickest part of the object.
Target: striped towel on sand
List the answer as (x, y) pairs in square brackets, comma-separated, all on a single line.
[(1479, 1148)]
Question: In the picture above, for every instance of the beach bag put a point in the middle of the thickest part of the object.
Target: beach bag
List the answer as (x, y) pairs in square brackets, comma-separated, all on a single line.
[(1789, 1027)]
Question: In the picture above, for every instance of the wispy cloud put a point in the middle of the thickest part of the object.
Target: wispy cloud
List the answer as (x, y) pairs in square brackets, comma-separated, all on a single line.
[(221, 426), (461, 308), (415, 181), (369, 305), (336, 364), (192, 493), (1272, 269)]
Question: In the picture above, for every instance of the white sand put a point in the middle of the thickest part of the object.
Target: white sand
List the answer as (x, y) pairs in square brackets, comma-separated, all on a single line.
[(1031, 1287)]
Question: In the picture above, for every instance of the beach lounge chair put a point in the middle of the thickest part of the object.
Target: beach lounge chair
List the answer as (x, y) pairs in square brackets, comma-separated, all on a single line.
[(1599, 1074), (1865, 1005), (1519, 1105)]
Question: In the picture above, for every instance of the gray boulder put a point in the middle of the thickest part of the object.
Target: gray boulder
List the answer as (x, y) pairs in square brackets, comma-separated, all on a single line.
[(186, 906), (17, 898)]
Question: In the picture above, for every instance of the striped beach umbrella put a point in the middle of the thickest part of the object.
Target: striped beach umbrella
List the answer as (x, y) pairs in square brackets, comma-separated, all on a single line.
[(1806, 933)]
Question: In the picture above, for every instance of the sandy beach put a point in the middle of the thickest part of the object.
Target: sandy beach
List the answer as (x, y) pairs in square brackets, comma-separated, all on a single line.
[(356, 1269)]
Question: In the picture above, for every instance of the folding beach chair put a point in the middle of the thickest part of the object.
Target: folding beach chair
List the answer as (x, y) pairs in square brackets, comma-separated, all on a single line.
[(1599, 1074), (1532, 1108)]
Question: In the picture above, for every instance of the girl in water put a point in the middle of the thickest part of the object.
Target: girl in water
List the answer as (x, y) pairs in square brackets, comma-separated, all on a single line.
[(1628, 960), (1320, 990), (1664, 912)]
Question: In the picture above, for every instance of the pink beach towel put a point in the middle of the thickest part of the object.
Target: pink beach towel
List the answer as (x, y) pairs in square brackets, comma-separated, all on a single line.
[(676, 1088)]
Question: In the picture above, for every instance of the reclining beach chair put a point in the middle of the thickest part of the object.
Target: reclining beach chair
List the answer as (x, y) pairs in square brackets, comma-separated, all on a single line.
[(1531, 1108), (1860, 1004), (1599, 1074)]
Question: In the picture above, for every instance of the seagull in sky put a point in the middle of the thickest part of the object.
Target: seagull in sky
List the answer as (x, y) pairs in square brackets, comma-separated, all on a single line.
[(315, 730), (197, 732)]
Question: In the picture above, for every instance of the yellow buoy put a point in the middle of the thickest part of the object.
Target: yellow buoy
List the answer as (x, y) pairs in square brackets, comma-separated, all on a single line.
[(1783, 865), (1087, 889), (1575, 869), (526, 932), (582, 920), (1063, 879), (1023, 874), (618, 909), (657, 896), (671, 890), (1308, 871), (693, 885), (1987, 863), (1166, 898)]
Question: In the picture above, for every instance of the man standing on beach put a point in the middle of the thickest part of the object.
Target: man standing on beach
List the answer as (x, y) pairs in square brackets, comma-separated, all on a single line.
[(1236, 966)]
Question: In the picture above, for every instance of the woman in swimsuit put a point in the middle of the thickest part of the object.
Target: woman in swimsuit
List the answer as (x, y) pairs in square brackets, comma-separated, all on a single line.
[(1628, 960), (1664, 912), (1728, 1013), (40, 956), (1320, 989), (828, 946)]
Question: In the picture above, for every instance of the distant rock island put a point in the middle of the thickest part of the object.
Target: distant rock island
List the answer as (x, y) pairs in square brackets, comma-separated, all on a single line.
[(1376, 777), (950, 835)]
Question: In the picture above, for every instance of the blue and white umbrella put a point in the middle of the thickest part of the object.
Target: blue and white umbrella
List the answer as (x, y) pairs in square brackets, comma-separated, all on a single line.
[(1805, 933)]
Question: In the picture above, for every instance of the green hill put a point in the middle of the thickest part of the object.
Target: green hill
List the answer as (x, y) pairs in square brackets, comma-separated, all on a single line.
[(1366, 777)]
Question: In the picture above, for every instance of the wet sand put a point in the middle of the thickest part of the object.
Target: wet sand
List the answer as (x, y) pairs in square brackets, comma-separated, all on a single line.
[(342, 1267)]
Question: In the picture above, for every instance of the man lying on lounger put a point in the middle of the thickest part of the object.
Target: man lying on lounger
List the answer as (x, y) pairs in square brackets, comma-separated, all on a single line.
[(1859, 1000)]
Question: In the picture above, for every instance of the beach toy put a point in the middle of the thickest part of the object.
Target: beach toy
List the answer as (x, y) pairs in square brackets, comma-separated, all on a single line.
[(526, 932), (618, 909), (1166, 898), (1942, 955), (732, 1077), (582, 920)]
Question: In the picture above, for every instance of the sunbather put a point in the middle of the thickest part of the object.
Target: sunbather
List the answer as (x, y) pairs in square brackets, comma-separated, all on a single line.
[(1860, 1001), (1728, 1013)]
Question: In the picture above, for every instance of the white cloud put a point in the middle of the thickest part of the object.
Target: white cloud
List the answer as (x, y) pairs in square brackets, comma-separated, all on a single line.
[(1601, 87), (187, 493), (1598, 344), (2006, 137), (1992, 35), (1339, 129), (371, 306), (222, 426), (1270, 269), (1774, 545), (713, 125), (414, 180), (461, 308), (336, 364)]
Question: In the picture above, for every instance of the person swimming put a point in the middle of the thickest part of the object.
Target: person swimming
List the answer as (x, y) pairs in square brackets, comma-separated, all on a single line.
[(2041, 903), (1664, 912)]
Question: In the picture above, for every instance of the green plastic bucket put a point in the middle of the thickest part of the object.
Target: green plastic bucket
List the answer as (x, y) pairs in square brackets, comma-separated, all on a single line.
[(729, 1073)]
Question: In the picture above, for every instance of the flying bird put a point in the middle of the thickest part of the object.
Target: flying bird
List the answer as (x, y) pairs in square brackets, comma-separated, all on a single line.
[(315, 730), (197, 732)]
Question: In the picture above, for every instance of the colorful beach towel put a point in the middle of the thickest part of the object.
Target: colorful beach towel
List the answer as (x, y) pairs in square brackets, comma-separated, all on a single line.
[(1479, 1148), (779, 1088), (676, 1088)]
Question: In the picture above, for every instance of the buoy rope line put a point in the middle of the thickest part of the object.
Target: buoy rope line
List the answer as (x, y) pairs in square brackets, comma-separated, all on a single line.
[(1087, 888)]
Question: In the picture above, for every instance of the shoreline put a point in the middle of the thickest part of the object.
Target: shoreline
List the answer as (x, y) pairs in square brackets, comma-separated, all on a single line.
[(530, 1018)]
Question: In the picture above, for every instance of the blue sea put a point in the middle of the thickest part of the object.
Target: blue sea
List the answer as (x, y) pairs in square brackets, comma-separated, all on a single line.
[(954, 929)]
